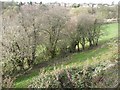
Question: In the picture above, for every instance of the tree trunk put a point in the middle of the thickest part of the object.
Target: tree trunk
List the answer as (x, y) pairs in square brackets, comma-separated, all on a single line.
[(33, 48), (33, 53), (83, 46), (53, 53), (73, 47), (97, 42), (78, 47), (90, 44), (93, 41)]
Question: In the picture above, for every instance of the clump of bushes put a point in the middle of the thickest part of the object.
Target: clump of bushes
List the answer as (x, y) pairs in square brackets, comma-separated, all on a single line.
[(78, 77), (67, 78)]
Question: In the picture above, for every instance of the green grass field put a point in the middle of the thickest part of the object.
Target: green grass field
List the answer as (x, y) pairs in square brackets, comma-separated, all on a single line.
[(111, 31)]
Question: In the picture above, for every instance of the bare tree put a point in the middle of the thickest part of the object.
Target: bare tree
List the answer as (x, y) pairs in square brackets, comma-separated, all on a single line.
[(81, 30), (30, 22), (53, 22), (71, 32)]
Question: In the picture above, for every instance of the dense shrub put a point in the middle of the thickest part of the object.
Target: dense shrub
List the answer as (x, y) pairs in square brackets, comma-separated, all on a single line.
[(70, 78), (102, 74)]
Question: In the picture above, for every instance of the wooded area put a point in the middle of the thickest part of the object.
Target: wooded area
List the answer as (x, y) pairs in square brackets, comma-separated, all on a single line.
[(33, 34)]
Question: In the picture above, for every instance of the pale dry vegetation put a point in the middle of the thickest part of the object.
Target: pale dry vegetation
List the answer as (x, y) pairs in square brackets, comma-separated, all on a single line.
[(33, 34)]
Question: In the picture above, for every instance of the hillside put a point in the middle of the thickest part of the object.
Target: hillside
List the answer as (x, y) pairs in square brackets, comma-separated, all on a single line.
[(100, 60)]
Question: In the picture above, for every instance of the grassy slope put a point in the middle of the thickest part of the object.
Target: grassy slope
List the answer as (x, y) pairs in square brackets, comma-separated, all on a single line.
[(77, 58), (111, 31)]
